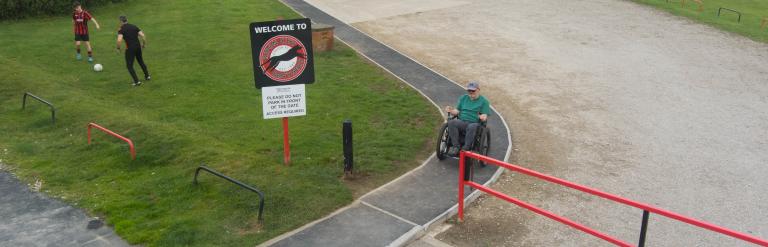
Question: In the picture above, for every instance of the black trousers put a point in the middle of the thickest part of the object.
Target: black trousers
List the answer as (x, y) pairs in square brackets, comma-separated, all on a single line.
[(131, 54)]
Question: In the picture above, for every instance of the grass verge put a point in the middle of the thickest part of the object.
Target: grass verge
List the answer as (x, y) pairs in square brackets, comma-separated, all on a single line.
[(753, 12), (200, 107)]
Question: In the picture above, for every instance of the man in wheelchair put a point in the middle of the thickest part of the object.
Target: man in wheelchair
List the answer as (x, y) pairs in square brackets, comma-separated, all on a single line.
[(472, 111)]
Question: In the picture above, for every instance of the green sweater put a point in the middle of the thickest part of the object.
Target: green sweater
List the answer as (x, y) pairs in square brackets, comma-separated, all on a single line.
[(468, 108)]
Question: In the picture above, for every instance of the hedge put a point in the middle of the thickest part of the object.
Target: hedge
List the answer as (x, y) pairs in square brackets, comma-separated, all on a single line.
[(19, 9)]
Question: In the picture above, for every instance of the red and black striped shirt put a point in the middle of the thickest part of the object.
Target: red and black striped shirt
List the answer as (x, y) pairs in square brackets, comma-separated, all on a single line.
[(81, 22)]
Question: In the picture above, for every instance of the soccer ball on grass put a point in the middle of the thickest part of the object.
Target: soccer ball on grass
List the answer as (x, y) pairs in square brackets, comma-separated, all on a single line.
[(97, 67)]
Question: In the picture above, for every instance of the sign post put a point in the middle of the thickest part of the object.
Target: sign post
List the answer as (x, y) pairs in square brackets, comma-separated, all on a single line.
[(283, 102), (286, 143), (282, 64)]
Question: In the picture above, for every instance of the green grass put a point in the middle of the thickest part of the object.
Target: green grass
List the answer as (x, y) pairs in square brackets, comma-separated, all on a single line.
[(200, 107), (752, 13)]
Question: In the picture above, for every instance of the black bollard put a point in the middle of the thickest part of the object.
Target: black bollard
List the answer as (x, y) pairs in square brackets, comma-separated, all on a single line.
[(347, 132)]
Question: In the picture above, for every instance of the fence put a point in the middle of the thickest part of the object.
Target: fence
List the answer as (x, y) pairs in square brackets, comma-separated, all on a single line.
[(241, 184), (24, 104), (646, 208), (105, 130)]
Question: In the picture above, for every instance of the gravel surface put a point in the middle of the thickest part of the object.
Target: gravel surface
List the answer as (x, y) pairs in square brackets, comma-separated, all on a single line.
[(610, 94)]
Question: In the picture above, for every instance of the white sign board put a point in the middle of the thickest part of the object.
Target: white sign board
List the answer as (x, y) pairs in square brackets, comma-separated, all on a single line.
[(284, 101)]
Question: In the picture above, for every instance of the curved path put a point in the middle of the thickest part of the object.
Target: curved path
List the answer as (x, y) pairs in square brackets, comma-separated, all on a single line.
[(404, 208)]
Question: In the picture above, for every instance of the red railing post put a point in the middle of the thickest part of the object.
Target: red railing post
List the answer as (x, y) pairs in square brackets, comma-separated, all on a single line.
[(461, 185), (105, 130)]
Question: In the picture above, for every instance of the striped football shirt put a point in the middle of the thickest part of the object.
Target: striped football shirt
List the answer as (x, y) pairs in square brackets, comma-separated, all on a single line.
[(81, 22)]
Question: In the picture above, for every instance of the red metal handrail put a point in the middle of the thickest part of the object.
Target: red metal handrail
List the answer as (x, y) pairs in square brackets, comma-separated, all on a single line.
[(463, 155), (105, 130)]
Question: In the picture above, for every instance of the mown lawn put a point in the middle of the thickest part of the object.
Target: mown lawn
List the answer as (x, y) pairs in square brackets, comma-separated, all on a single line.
[(200, 107), (752, 11)]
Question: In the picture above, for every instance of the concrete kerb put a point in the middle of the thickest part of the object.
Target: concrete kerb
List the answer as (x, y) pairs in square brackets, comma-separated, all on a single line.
[(353, 204), (408, 236), (308, 225), (417, 231), (412, 235)]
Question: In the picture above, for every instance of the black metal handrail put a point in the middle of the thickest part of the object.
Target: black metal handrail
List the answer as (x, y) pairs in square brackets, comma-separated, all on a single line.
[(734, 11), (24, 104), (241, 184)]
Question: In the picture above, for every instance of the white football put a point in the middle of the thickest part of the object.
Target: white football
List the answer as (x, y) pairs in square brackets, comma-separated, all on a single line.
[(97, 67)]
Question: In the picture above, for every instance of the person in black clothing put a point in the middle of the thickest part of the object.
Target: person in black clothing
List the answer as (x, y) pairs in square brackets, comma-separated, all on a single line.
[(131, 34)]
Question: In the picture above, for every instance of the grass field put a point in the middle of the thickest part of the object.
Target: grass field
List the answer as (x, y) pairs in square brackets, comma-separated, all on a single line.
[(753, 11), (200, 107)]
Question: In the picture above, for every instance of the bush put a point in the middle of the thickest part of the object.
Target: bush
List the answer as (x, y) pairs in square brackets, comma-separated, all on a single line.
[(19, 9)]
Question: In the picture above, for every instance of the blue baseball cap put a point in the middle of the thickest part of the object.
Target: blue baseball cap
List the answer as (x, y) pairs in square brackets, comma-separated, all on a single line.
[(473, 85)]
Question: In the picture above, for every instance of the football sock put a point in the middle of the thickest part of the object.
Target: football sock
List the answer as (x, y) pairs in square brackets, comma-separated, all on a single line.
[(90, 54), (78, 50)]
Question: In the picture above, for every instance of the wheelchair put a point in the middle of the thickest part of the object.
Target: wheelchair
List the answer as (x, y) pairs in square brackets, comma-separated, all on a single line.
[(482, 141)]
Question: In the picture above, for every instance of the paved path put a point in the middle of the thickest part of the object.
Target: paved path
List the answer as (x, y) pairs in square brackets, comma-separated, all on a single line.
[(29, 218), (406, 207)]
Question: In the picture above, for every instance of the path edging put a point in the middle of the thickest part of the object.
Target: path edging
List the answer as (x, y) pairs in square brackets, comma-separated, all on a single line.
[(418, 230)]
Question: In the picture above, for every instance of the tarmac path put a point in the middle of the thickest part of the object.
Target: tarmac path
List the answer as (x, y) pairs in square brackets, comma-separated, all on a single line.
[(606, 93), (29, 218), (407, 207)]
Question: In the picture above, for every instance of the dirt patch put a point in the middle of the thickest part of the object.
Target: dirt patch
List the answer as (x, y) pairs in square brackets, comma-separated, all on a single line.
[(253, 227)]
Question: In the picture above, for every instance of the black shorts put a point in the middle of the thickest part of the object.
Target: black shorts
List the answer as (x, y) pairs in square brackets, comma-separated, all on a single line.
[(83, 37)]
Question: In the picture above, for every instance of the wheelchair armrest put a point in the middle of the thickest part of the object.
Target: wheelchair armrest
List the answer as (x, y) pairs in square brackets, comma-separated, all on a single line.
[(483, 123)]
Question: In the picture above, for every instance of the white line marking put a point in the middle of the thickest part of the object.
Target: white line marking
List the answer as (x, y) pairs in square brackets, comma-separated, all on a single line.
[(389, 213)]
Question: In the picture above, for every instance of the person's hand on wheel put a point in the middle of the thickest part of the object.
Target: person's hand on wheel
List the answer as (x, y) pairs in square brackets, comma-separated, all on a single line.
[(483, 117), (452, 110)]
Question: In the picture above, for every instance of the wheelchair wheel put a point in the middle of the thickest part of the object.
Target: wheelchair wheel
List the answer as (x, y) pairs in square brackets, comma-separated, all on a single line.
[(483, 146), (442, 142)]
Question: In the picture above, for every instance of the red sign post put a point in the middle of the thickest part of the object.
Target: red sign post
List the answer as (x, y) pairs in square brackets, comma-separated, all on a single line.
[(282, 64), (286, 143)]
